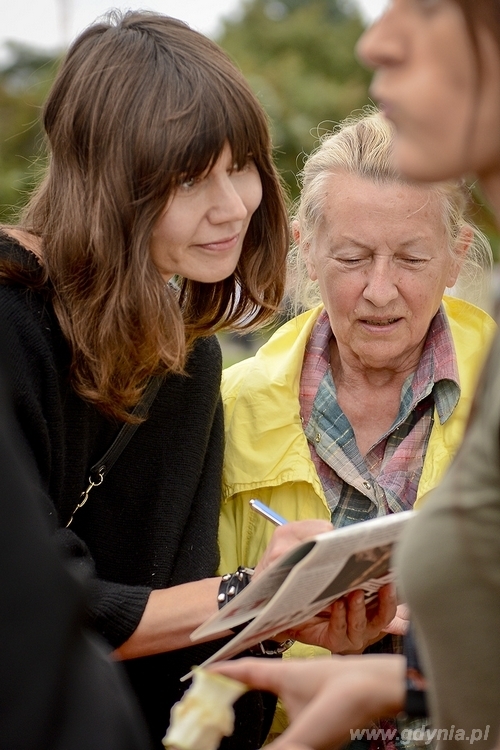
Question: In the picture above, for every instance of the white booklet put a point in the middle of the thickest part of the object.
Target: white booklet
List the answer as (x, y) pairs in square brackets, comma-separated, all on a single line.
[(304, 581)]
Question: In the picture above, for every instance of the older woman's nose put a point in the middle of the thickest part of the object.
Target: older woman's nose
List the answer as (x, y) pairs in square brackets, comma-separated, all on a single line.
[(381, 286)]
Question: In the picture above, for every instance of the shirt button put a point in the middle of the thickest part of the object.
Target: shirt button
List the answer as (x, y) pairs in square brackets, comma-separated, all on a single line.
[(367, 485), (317, 437)]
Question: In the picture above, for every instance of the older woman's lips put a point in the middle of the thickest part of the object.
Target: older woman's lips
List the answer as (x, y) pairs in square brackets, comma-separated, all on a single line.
[(379, 322)]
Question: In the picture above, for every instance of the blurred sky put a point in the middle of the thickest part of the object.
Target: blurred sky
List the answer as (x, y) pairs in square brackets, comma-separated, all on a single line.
[(51, 24)]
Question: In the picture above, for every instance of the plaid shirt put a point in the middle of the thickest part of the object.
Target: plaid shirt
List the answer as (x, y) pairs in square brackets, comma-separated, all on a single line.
[(386, 479)]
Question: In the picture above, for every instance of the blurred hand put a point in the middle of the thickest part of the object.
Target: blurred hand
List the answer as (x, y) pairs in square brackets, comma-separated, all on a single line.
[(349, 626), (288, 536), (325, 697)]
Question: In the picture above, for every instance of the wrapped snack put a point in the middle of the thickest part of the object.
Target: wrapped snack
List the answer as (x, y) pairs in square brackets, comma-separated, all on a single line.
[(205, 714)]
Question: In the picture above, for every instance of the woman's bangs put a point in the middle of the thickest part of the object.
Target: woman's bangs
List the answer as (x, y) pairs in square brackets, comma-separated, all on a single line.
[(243, 146), (247, 130), (202, 150), (210, 135)]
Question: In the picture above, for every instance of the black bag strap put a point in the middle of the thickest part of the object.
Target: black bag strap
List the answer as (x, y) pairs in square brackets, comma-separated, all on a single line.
[(100, 469)]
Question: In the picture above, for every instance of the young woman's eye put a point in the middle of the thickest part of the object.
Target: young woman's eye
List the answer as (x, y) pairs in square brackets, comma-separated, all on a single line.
[(188, 183), (242, 165)]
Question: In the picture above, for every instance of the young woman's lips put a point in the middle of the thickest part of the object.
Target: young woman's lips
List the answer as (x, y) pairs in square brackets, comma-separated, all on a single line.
[(226, 244)]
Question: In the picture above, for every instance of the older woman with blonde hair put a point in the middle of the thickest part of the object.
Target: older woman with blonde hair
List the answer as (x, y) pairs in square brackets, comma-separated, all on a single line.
[(355, 408)]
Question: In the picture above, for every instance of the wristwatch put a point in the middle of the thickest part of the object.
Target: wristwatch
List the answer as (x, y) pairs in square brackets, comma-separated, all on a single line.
[(271, 648)]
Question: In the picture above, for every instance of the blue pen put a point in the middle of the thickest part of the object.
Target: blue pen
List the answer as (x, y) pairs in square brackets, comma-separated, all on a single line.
[(271, 515)]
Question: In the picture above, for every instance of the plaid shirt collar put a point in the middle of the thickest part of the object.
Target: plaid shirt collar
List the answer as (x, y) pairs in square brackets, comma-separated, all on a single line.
[(437, 370), (386, 479)]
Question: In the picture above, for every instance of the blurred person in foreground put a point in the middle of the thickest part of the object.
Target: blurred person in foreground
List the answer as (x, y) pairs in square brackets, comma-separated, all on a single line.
[(58, 687), (437, 79), (355, 408)]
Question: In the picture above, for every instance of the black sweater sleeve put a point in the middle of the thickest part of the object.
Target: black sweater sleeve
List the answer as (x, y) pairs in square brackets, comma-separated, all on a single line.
[(153, 523), (43, 406), (58, 688)]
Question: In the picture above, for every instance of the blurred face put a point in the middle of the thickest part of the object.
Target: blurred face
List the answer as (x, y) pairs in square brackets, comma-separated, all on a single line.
[(427, 82), (382, 260), (200, 234)]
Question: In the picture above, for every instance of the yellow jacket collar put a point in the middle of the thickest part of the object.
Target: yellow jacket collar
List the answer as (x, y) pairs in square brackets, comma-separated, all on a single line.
[(265, 442)]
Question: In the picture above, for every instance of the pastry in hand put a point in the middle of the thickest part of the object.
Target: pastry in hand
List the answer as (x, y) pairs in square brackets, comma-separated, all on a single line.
[(205, 714)]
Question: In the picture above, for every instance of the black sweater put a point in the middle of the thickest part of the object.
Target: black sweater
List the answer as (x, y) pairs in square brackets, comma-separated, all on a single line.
[(153, 522), (58, 688)]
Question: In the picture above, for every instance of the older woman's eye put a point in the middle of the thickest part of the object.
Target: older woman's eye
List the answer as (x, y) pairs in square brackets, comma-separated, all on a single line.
[(413, 262), (351, 261)]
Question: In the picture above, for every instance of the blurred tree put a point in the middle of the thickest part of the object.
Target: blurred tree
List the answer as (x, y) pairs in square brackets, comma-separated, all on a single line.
[(299, 58), (24, 83), (297, 54)]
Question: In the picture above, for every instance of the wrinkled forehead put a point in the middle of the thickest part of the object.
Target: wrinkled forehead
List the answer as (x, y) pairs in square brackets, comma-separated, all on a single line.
[(354, 195)]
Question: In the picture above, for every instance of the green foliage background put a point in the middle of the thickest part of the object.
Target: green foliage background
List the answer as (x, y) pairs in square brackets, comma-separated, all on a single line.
[(24, 84), (298, 56)]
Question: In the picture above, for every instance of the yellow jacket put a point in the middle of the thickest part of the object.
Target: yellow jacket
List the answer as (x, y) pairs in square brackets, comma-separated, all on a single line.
[(267, 455)]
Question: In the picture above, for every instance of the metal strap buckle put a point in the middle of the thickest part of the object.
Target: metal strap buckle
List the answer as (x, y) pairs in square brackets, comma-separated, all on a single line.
[(85, 494)]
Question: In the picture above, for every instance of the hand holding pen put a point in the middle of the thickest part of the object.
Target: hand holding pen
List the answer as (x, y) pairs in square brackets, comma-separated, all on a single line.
[(277, 520), (288, 534)]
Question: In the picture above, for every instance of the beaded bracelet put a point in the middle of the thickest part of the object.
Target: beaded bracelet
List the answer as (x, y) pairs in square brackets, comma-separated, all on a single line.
[(232, 583)]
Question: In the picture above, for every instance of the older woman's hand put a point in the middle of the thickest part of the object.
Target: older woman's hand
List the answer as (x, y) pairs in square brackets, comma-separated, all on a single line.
[(349, 626), (288, 536)]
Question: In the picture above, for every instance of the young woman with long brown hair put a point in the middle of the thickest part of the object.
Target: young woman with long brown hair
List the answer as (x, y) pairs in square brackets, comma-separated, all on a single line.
[(161, 220)]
